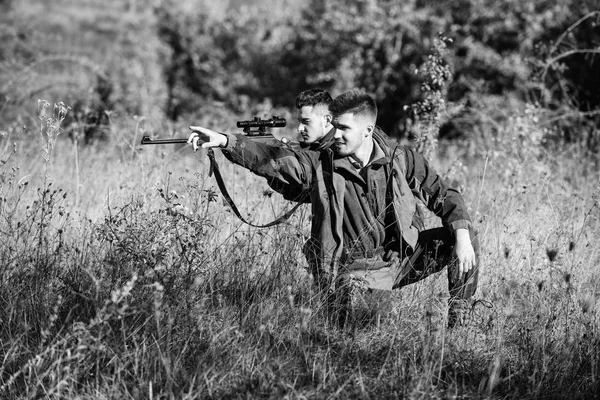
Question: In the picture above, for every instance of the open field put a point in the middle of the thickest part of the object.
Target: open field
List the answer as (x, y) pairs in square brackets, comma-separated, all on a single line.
[(139, 283), (124, 274)]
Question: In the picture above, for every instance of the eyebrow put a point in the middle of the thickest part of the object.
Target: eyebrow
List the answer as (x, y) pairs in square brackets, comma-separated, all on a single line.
[(337, 125)]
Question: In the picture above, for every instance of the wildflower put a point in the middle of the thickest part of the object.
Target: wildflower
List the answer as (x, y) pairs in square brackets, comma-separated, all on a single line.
[(587, 303), (551, 253)]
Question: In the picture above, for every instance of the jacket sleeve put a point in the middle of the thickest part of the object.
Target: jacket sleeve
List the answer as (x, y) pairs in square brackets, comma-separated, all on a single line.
[(290, 192), (287, 171), (446, 202)]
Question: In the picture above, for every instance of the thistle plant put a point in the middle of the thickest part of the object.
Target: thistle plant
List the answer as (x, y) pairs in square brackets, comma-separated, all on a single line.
[(50, 124), (427, 113)]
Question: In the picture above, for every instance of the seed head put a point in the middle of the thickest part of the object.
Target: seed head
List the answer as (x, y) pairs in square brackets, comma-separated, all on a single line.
[(587, 303), (551, 253)]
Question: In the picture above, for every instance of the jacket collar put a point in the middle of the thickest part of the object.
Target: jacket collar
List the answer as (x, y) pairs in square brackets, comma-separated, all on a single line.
[(383, 141), (325, 142), (383, 148), (322, 144)]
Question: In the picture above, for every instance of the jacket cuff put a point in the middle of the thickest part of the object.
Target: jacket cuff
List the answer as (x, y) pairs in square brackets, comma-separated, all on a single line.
[(231, 141), (460, 224)]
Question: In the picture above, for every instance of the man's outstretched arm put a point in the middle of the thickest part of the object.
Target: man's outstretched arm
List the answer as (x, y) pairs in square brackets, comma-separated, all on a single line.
[(276, 163), (206, 138)]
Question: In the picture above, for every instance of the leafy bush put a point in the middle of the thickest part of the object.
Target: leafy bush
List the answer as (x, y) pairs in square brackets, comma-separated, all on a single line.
[(190, 59), (375, 46), (227, 60)]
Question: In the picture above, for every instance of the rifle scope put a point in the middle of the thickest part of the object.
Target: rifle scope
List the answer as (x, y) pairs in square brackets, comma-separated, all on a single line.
[(257, 122)]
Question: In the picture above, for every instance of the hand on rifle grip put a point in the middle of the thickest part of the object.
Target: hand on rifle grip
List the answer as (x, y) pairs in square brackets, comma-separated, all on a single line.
[(207, 137)]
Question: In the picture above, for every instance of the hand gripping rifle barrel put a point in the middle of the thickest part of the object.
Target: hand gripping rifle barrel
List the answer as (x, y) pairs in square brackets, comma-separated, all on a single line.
[(247, 126)]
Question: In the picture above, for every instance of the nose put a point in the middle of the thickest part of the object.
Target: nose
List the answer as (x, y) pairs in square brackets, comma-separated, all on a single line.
[(300, 128), (337, 134)]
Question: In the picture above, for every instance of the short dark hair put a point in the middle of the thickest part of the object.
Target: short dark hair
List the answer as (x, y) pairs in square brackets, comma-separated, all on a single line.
[(313, 97), (354, 102)]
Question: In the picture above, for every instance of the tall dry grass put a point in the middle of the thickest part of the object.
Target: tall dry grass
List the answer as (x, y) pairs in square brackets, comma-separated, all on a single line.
[(144, 284)]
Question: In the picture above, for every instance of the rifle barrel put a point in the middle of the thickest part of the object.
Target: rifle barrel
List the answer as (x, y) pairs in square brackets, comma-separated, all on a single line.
[(146, 140)]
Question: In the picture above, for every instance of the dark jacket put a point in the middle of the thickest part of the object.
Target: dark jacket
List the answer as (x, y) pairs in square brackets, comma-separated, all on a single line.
[(297, 193), (321, 174)]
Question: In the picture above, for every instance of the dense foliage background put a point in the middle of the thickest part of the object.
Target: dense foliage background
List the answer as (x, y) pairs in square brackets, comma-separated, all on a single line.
[(183, 59)]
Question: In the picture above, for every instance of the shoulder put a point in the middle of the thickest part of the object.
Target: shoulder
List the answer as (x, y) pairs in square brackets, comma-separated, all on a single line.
[(324, 143), (390, 146)]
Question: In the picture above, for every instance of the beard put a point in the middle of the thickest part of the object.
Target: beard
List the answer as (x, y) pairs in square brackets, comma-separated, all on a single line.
[(342, 149)]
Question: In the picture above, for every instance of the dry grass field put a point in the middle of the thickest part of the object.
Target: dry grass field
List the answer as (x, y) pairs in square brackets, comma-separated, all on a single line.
[(124, 275)]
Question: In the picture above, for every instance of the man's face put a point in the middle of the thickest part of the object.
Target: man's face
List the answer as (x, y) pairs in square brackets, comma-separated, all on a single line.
[(351, 133), (313, 123)]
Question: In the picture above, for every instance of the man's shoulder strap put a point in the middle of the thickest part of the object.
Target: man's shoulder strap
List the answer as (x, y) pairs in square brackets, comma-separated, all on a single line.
[(214, 168)]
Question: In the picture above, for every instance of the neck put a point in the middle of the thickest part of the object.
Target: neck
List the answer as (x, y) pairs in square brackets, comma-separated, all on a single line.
[(363, 154)]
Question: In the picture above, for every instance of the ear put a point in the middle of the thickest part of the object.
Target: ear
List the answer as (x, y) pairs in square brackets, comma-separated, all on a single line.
[(328, 119), (369, 130)]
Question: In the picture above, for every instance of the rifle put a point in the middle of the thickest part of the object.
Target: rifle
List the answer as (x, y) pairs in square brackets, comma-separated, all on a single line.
[(261, 126)]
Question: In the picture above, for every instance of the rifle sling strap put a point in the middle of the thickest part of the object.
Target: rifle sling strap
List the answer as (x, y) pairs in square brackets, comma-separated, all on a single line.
[(214, 168)]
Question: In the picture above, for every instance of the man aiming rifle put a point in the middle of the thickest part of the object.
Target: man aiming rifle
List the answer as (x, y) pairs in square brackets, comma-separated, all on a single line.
[(363, 191), (316, 132)]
